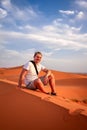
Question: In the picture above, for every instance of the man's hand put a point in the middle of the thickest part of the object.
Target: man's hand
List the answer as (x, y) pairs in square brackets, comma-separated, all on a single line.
[(46, 80)]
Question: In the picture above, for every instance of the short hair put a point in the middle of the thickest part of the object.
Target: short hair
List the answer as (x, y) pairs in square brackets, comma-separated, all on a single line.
[(38, 52)]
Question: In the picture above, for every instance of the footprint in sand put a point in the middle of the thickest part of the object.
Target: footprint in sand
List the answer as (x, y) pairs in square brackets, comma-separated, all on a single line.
[(46, 98), (76, 111)]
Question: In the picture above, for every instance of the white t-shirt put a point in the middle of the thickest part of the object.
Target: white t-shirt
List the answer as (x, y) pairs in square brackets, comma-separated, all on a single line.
[(32, 75)]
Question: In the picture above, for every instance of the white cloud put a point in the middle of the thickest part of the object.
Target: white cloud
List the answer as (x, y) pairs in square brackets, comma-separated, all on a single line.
[(80, 15), (15, 13), (3, 13), (28, 28), (62, 36), (24, 15), (82, 3), (66, 64), (85, 53), (67, 12), (11, 58), (6, 4)]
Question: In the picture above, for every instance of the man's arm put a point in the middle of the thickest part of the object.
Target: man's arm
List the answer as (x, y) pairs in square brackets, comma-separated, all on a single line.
[(47, 75), (22, 77), (48, 72)]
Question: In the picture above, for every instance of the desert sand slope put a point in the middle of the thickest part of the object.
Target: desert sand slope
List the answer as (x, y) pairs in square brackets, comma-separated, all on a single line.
[(23, 111)]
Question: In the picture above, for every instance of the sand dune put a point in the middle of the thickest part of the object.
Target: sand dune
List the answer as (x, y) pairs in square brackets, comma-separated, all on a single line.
[(25, 109), (69, 85)]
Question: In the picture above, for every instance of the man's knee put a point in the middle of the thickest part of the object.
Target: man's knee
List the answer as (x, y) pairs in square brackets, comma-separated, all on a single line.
[(37, 81), (51, 76)]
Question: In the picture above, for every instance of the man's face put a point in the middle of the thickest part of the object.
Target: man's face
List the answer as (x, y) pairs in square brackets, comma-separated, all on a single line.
[(37, 58)]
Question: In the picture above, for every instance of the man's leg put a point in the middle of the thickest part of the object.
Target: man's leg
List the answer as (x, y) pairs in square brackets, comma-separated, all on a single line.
[(38, 83), (52, 83)]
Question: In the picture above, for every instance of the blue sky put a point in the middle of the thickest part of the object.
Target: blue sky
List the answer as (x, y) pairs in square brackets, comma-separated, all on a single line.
[(56, 28)]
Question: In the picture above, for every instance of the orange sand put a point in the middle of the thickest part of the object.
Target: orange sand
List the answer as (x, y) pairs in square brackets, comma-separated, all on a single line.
[(22, 109)]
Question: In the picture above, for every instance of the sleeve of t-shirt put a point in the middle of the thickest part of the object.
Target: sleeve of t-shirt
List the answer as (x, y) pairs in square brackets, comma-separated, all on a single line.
[(27, 66)]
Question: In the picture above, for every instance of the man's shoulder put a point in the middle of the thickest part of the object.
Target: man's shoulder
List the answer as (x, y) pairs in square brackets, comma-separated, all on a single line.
[(27, 64)]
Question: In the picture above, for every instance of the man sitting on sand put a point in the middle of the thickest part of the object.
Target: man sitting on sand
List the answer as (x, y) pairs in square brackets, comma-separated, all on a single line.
[(29, 75)]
